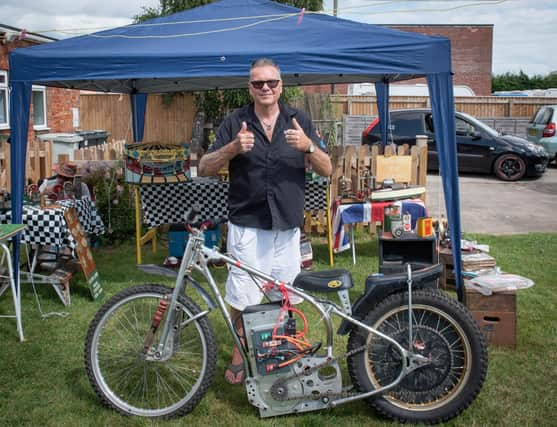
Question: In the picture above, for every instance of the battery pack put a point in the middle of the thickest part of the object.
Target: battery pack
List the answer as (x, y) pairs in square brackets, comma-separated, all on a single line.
[(266, 352)]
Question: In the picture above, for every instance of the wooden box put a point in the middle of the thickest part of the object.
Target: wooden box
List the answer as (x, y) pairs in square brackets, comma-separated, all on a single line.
[(471, 261), (495, 314)]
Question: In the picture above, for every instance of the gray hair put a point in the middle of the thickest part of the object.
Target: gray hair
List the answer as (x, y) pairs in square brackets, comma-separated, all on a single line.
[(264, 62)]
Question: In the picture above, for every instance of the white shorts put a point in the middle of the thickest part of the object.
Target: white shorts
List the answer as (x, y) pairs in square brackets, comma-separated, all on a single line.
[(276, 253)]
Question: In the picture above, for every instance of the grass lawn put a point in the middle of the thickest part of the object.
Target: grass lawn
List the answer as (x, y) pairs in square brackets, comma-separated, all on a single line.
[(43, 380)]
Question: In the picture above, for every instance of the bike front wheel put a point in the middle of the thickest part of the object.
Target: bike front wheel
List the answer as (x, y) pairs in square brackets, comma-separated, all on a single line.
[(135, 384), (452, 349)]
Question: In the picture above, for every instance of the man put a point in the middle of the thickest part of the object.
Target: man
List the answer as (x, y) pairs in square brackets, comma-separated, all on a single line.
[(266, 145), (63, 183)]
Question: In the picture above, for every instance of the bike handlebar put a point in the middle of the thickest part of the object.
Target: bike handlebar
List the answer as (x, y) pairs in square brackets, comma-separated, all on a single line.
[(194, 222)]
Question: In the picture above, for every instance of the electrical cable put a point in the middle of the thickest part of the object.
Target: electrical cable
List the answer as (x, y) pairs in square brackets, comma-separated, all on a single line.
[(263, 19), (32, 280)]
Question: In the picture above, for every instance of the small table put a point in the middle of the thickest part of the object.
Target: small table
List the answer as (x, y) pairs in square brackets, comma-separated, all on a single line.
[(363, 212), (7, 231), (168, 203), (47, 226), (396, 252)]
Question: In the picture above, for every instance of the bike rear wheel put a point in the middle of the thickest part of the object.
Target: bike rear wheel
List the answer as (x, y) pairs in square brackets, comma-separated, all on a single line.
[(445, 333), (133, 384)]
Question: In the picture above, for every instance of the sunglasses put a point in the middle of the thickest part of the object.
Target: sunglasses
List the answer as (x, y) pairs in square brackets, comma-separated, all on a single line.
[(258, 84)]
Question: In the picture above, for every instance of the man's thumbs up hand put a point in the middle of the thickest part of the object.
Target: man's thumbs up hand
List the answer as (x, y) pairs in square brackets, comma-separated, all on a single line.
[(245, 139), (296, 137)]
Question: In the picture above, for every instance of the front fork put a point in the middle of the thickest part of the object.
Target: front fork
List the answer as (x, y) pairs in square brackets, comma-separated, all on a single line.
[(171, 323)]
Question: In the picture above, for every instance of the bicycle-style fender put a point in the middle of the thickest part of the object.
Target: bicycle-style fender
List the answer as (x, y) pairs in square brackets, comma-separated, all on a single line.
[(380, 287)]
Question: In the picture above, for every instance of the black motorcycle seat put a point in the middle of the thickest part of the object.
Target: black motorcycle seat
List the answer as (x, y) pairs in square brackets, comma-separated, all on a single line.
[(324, 281), (418, 277)]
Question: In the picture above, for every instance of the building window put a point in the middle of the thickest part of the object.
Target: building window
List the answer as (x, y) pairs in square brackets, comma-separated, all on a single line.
[(4, 111), (39, 107)]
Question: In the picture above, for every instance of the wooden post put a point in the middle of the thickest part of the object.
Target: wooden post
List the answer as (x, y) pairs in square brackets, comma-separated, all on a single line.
[(63, 158), (388, 151), (349, 170), (374, 154), (422, 174), (337, 160), (415, 164)]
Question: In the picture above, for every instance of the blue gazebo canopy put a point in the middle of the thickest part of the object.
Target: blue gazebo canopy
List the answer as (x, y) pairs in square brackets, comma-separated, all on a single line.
[(212, 46)]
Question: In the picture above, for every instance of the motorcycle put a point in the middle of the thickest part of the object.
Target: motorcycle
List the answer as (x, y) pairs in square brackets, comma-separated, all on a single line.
[(413, 353)]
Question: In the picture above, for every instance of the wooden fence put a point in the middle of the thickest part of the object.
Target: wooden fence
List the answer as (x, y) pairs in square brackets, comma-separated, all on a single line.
[(355, 168), (168, 118), (105, 152), (478, 106), (38, 164), (40, 161)]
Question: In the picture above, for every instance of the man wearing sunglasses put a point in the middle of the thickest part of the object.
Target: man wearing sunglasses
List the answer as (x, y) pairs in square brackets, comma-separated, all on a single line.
[(266, 145)]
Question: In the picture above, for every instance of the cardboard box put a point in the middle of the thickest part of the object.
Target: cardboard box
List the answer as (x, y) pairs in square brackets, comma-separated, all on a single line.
[(495, 314)]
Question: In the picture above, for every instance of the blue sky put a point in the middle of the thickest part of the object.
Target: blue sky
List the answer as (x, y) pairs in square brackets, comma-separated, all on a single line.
[(525, 31)]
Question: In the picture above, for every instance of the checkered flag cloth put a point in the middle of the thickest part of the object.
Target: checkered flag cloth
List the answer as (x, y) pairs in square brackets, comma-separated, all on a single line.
[(168, 203)]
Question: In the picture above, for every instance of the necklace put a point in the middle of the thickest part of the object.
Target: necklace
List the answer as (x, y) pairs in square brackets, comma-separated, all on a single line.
[(268, 125)]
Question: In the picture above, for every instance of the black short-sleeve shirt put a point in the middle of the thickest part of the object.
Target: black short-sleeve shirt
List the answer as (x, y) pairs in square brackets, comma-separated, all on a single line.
[(266, 183)]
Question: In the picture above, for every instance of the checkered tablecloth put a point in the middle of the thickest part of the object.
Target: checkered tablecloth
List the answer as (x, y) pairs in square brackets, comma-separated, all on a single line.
[(47, 226), (88, 215), (167, 203), (316, 195)]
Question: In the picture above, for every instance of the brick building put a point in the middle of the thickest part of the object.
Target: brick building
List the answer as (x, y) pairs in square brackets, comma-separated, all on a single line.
[(52, 109), (472, 55)]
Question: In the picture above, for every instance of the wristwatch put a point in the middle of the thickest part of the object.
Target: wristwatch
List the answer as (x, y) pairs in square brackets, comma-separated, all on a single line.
[(311, 148)]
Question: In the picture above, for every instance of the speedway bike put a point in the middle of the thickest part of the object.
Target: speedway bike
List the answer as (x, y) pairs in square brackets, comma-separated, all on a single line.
[(414, 353)]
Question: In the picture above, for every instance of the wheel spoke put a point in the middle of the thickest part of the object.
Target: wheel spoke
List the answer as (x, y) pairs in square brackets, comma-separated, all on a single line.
[(127, 378), (435, 337)]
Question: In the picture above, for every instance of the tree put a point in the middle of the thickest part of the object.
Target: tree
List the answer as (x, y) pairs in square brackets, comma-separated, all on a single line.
[(521, 81), (216, 103), (168, 7)]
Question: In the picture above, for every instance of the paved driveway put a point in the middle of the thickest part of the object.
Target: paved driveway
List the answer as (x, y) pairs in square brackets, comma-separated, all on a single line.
[(491, 206)]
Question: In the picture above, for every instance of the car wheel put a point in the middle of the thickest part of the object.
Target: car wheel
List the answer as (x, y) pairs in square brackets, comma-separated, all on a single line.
[(510, 167)]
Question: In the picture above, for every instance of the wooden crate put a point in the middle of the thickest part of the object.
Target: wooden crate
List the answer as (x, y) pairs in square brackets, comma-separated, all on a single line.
[(495, 314), (448, 279)]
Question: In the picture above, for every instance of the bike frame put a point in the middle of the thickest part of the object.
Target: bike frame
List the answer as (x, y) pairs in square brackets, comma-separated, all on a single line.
[(195, 258)]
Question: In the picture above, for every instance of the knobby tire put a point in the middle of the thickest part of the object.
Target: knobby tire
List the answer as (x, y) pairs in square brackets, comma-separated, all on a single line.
[(445, 332)]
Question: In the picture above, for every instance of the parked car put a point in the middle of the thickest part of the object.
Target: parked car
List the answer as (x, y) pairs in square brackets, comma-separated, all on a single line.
[(542, 130), (480, 148)]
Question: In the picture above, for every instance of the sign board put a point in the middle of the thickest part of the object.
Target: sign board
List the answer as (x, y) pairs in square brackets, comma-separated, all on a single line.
[(84, 254), (398, 168), (353, 126)]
